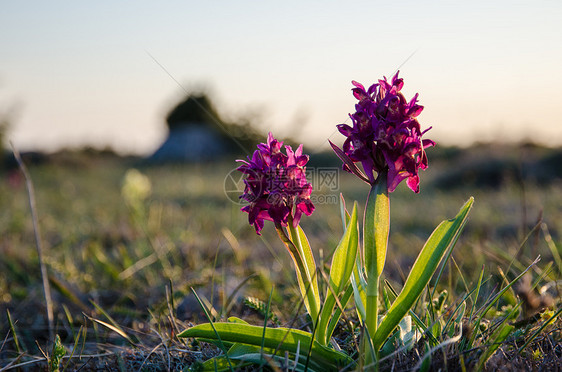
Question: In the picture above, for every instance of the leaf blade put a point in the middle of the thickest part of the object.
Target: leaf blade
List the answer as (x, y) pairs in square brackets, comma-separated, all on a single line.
[(443, 237), (286, 339)]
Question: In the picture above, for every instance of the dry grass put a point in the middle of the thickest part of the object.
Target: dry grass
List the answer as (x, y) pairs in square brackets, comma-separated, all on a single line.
[(133, 269)]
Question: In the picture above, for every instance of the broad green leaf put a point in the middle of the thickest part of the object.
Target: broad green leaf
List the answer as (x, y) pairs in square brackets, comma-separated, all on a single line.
[(415, 318), (234, 319), (310, 264), (339, 311), (445, 235), (305, 268), (284, 339), (253, 354), (341, 269), (217, 364), (343, 212), (345, 254), (403, 338), (359, 284)]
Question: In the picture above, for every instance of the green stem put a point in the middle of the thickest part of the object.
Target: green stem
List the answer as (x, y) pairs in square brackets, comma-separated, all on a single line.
[(376, 228), (295, 248)]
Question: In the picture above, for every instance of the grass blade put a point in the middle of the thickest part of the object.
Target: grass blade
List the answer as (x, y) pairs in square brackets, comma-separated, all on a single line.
[(113, 326), (74, 348), (416, 319), (13, 329), (215, 332), (541, 328), (497, 338), (115, 329), (497, 297), (552, 247), (38, 242)]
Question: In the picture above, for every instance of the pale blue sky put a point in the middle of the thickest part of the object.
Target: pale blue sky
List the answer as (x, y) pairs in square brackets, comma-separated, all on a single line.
[(82, 73)]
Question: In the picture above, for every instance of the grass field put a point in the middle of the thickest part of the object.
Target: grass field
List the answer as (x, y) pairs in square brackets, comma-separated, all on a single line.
[(121, 274)]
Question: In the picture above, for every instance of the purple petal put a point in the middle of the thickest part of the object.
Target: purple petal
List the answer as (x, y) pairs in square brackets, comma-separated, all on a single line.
[(427, 143), (414, 183), (372, 89), (306, 207), (358, 85), (302, 160), (290, 155), (349, 163), (345, 129), (298, 153)]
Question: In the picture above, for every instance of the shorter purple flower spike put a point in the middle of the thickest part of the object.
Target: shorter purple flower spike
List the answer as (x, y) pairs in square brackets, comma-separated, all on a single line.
[(385, 136), (276, 186)]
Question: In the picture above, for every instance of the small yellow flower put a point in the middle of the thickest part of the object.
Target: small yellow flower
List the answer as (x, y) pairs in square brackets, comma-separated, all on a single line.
[(136, 187)]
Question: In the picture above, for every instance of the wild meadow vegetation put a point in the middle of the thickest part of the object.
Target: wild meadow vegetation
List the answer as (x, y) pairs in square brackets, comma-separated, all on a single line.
[(132, 264), (134, 258)]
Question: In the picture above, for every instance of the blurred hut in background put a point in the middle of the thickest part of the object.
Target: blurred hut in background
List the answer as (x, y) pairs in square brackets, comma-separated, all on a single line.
[(197, 133)]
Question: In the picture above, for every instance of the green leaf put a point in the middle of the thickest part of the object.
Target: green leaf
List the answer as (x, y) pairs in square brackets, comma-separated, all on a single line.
[(254, 355), (310, 265), (445, 235), (415, 318), (341, 269), (56, 355), (402, 339), (343, 212), (345, 254), (359, 284), (217, 364), (305, 267), (339, 311), (234, 319), (284, 339)]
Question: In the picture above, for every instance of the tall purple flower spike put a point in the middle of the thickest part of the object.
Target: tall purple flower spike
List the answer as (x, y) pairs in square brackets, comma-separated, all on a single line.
[(276, 186), (385, 136)]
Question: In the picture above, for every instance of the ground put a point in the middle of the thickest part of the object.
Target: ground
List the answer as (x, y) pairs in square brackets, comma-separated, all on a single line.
[(118, 268)]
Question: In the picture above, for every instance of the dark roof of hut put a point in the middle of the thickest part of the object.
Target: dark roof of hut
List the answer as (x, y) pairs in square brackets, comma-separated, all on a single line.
[(194, 109)]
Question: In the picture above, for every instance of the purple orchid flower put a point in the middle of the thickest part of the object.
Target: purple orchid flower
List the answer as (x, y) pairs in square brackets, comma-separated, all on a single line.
[(276, 186), (385, 136)]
